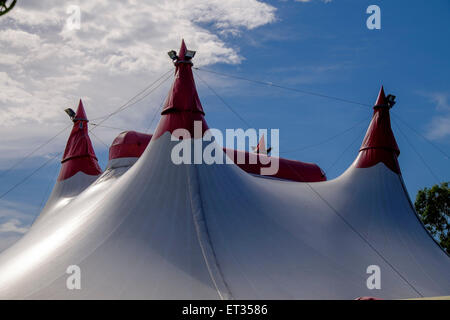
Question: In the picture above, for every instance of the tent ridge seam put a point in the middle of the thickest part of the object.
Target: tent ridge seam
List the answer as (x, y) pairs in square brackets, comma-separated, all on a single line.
[(203, 237)]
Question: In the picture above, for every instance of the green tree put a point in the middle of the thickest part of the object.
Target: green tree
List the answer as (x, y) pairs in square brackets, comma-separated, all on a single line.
[(433, 207)]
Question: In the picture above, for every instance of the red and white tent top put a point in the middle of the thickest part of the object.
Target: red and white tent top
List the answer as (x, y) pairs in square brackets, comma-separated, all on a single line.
[(79, 155), (379, 144), (79, 168), (215, 232)]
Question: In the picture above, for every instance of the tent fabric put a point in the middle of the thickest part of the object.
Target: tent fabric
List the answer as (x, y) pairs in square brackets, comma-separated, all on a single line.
[(167, 231), (64, 192), (79, 154), (131, 144), (271, 239)]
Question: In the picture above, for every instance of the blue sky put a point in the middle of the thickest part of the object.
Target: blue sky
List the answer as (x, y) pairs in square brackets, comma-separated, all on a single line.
[(318, 46), (326, 47)]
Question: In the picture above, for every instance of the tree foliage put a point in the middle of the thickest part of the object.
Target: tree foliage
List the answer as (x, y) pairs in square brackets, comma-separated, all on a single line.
[(433, 207)]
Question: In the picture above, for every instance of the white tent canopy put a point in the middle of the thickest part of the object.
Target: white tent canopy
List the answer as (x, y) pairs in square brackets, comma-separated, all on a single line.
[(161, 230)]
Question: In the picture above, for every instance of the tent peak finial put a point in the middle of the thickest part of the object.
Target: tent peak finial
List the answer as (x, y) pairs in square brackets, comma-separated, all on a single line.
[(80, 115), (182, 106), (182, 51), (383, 100), (184, 55)]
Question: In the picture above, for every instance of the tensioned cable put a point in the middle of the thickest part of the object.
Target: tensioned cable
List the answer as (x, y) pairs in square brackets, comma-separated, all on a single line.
[(129, 103), (167, 78), (255, 81), (325, 96), (309, 185), (101, 141), (224, 102), (416, 152), (121, 108), (134, 97), (421, 135), (45, 195), (154, 117), (109, 127), (331, 138), (447, 156), (286, 88), (34, 151), (348, 223), (328, 97), (358, 137), (123, 129), (107, 116), (29, 175), (361, 236), (327, 139)]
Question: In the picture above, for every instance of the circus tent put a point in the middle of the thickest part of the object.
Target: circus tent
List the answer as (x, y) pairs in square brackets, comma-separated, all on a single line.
[(159, 230)]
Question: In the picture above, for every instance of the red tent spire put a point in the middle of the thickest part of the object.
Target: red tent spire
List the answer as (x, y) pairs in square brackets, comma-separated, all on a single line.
[(182, 51), (79, 154), (80, 114), (381, 100), (379, 144), (182, 106)]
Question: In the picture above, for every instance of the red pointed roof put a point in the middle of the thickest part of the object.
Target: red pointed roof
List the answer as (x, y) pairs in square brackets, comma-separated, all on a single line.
[(182, 106), (79, 154), (379, 144)]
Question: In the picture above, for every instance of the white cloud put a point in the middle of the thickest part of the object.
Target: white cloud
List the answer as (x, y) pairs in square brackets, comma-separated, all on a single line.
[(21, 212), (15, 219), (19, 39), (442, 101), (439, 127), (7, 240), (14, 226), (120, 48)]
